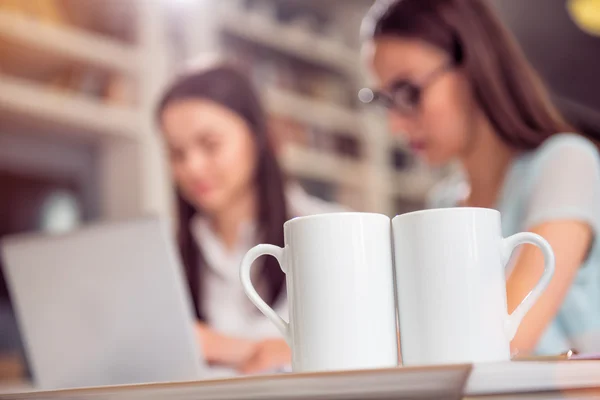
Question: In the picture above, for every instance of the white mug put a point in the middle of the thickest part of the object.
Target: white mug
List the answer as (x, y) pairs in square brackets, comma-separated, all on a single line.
[(340, 289), (451, 283)]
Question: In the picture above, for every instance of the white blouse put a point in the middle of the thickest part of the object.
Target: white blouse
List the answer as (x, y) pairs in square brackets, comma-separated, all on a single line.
[(224, 303)]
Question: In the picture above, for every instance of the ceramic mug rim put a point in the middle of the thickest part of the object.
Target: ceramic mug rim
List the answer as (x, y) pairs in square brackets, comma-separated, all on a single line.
[(457, 210), (343, 214)]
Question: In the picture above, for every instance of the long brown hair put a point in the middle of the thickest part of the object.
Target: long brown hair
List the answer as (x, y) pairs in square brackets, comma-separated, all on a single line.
[(508, 90), (226, 85)]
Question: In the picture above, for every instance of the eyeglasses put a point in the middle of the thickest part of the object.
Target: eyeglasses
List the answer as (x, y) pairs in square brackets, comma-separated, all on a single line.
[(404, 96)]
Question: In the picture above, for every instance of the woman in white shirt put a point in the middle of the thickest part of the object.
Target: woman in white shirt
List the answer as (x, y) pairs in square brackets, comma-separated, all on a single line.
[(232, 195)]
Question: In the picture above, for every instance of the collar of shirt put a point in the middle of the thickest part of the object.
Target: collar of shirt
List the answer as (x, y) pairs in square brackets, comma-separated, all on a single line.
[(217, 256), (224, 261), (299, 204)]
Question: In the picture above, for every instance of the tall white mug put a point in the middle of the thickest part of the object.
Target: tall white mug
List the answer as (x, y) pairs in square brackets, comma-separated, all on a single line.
[(451, 282), (340, 290)]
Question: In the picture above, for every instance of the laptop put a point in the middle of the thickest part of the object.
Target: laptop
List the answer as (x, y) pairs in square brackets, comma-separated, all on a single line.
[(106, 305)]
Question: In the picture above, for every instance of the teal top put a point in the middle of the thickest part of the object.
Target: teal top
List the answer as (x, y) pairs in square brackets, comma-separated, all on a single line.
[(560, 180)]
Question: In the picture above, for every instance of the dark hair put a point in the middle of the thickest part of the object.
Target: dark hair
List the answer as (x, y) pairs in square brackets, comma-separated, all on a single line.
[(227, 86), (506, 87)]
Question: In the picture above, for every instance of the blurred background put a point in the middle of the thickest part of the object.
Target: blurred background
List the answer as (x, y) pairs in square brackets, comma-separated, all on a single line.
[(79, 81)]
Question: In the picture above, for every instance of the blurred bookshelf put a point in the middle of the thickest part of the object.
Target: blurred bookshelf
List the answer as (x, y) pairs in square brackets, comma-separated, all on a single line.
[(55, 45), (74, 112), (61, 76), (301, 58), (259, 25), (310, 76)]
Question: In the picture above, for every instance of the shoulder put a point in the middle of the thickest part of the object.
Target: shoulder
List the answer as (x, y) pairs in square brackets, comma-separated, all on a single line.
[(563, 157), (565, 146), (562, 181), (301, 203)]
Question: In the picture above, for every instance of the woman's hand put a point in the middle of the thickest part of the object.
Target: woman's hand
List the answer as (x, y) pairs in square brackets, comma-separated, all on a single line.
[(268, 355), (222, 349)]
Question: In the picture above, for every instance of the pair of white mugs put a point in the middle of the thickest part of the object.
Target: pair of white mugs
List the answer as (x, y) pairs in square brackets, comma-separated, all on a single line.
[(450, 283)]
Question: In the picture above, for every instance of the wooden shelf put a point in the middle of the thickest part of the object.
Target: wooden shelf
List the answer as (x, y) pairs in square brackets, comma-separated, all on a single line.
[(306, 163), (307, 46), (314, 112), (22, 99), (72, 44)]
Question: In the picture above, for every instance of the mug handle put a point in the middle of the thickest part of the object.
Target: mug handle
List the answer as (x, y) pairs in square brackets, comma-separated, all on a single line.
[(508, 246), (251, 256)]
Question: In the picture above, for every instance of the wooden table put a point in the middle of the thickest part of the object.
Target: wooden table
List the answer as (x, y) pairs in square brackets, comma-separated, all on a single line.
[(516, 380)]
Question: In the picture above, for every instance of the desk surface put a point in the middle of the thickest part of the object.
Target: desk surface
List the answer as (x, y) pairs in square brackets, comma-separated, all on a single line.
[(510, 380)]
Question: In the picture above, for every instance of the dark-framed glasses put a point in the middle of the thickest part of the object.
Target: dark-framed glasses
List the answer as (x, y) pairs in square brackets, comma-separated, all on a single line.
[(403, 95)]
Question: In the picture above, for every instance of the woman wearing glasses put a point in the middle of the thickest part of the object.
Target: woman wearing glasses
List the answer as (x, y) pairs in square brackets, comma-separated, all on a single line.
[(458, 87)]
